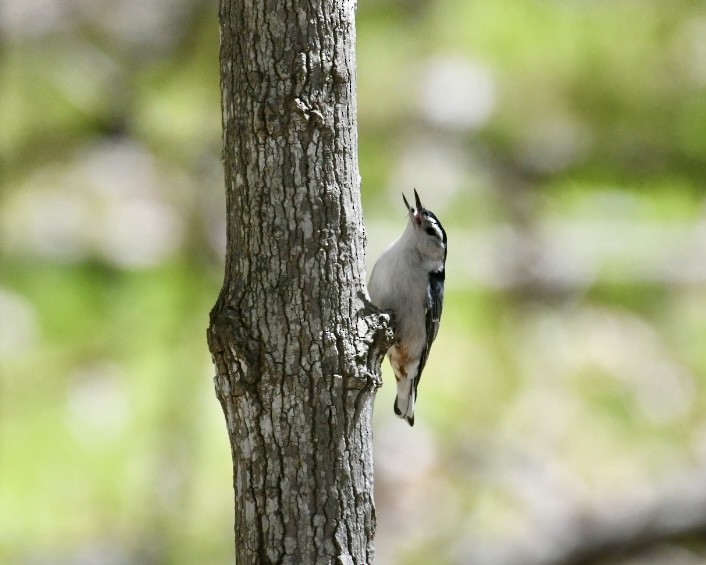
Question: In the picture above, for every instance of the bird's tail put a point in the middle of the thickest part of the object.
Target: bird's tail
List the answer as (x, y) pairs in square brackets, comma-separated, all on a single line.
[(405, 399)]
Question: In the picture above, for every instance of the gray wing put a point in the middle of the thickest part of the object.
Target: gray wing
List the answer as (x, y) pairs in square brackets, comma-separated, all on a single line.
[(434, 305)]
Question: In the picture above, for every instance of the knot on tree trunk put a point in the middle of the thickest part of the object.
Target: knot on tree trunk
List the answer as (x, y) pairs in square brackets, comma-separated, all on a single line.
[(376, 334), (235, 353)]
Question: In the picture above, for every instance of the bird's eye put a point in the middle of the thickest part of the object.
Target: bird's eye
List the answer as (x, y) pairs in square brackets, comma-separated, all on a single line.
[(430, 231)]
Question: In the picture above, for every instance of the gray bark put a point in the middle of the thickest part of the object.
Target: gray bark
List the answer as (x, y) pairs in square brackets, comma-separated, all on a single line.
[(296, 350)]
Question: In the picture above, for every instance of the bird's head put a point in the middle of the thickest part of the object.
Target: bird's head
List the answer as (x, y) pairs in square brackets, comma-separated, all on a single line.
[(427, 232)]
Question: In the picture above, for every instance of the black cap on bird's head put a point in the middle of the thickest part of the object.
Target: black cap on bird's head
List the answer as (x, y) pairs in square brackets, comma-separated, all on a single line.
[(416, 212)]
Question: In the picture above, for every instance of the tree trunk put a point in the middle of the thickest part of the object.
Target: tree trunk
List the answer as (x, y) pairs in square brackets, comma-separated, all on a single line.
[(297, 353)]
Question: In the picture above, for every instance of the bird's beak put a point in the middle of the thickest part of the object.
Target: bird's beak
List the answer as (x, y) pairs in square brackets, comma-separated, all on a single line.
[(418, 202), (414, 213)]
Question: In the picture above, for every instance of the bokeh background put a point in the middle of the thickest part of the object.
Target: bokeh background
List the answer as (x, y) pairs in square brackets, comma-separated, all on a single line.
[(563, 145)]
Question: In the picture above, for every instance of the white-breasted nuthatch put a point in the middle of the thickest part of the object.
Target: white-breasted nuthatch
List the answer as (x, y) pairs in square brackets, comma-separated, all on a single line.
[(408, 279)]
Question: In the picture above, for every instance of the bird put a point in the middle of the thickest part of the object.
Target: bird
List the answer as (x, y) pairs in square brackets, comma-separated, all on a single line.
[(407, 280)]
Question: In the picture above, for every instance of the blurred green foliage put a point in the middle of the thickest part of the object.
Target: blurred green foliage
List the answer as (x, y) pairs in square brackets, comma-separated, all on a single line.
[(563, 144)]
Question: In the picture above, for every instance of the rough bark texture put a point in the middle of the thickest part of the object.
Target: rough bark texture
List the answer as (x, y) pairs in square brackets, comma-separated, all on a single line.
[(297, 353)]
